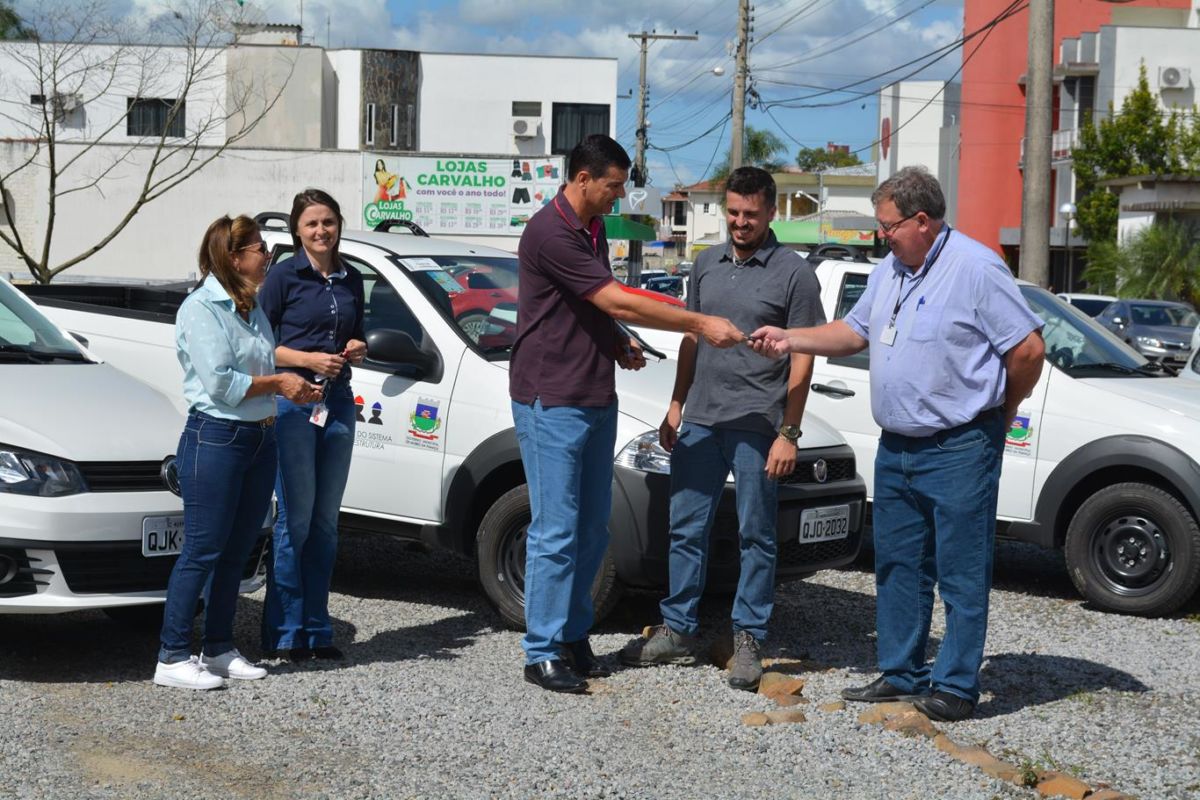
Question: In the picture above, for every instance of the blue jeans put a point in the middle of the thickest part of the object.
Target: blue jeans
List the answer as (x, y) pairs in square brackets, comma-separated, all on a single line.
[(567, 453), (935, 522), (314, 463), (226, 470), (702, 458)]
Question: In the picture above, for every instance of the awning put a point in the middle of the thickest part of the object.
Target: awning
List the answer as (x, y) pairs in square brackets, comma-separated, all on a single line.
[(808, 231), (618, 227)]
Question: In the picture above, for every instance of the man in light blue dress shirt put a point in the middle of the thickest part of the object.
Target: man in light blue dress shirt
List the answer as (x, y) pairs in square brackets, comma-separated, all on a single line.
[(954, 350)]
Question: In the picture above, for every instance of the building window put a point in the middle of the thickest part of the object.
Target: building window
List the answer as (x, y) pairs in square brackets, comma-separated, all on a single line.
[(37, 99), (369, 136), (395, 125), (408, 123), (572, 122), (527, 108), (150, 116), (680, 217), (706, 208)]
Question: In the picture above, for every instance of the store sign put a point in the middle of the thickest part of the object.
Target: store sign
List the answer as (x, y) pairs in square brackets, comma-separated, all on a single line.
[(641, 200), (458, 195)]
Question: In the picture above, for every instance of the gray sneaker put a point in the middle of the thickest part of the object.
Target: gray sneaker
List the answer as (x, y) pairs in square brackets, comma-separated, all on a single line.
[(746, 670), (662, 646)]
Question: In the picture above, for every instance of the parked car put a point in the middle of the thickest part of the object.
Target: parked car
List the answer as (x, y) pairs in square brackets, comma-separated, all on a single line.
[(1102, 461), (435, 454), (90, 512), (647, 275), (684, 268), (669, 285), (1192, 371), (1090, 304), (1160, 330)]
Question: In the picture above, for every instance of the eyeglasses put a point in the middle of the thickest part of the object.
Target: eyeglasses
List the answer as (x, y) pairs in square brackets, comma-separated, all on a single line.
[(888, 228), (261, 247)]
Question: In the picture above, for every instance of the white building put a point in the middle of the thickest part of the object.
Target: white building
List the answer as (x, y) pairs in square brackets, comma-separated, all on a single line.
[(328, 119), (919, 124)]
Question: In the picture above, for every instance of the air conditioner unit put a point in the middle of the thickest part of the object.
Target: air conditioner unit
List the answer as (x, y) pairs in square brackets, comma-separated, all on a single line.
[(64, 104), (525, 127), (1174, 77)]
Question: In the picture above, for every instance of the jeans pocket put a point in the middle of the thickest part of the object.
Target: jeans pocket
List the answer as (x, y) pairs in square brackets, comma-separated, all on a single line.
[(216, 434), (955, 440)]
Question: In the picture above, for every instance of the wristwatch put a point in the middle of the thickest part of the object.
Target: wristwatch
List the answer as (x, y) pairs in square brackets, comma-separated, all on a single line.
[(790, 432)]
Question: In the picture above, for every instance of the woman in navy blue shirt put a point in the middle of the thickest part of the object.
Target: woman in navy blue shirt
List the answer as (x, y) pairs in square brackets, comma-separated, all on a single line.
[(314, 303)]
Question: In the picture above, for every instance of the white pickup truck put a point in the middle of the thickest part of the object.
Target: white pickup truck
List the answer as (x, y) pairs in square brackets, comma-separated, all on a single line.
[(435, 456), (1103, 460)]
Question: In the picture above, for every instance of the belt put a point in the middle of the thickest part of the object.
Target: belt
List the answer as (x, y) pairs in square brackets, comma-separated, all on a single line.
[(256, 423)]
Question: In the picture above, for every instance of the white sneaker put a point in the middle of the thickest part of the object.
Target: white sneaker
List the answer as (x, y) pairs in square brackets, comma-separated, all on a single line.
[(232, 664), (188, 674)]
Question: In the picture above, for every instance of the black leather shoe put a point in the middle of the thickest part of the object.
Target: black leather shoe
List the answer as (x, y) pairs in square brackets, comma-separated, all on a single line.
[(944, 706), (328, 653), (582, 661), (554, 676), (877, 691), (298, 654)]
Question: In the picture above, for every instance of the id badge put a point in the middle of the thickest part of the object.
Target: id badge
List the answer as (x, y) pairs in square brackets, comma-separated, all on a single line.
[(320, 414), (888, 336)]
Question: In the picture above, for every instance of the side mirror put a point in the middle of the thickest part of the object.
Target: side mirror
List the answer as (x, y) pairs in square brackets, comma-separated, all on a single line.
[(395, 350), (1118, 321)]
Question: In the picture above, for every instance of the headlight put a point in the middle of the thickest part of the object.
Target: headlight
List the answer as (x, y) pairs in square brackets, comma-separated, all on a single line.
[(646, 454), (1148, 341), (23, 472)]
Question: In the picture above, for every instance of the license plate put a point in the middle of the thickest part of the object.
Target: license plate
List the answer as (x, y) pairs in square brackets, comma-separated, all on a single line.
[(162, 536), (824, 524)]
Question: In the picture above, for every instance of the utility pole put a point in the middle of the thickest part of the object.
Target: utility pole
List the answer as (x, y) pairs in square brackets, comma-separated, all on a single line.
[(739, 85), (1035, 190), (639, 158)]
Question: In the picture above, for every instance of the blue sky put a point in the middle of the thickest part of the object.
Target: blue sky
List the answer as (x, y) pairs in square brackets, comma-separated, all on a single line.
[(798, 44)]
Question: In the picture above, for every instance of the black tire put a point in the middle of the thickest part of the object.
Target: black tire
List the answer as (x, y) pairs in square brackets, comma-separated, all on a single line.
[(1134, 549), (500, 547), (147, 618)]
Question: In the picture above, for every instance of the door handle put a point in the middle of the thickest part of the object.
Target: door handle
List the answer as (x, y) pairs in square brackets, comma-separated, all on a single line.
[(822, 388)]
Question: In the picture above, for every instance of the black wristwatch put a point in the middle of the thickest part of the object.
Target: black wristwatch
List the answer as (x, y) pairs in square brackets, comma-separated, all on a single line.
[(790, 432)]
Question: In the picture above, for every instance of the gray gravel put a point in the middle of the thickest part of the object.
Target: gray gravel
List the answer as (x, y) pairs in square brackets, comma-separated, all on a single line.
[(431, 703)]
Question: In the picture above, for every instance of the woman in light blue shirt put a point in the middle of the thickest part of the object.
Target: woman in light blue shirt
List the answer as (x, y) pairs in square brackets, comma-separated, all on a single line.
[(226, 456)]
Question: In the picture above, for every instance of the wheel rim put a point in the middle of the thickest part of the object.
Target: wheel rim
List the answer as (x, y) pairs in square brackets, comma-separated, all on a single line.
[(1131, 553), (473, 326), (511, 569)]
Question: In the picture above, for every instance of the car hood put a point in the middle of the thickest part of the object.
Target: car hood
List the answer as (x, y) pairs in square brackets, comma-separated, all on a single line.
[(1175, 395), (86, 412), (1170, 333), (644, 394)]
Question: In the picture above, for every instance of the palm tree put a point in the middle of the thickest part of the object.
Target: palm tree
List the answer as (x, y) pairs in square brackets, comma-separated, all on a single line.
[(759, 148), (1159, 261)]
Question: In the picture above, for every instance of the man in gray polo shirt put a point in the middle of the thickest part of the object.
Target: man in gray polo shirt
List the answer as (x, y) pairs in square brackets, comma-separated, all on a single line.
[(742, 416), (954, 350)]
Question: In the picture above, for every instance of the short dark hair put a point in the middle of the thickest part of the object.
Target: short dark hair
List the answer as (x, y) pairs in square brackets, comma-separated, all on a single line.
[(912, 189), (749, 181), (595, 154), (315, 197)]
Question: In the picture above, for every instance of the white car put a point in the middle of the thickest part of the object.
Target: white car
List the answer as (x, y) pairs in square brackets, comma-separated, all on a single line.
[(1090, 304), (1191, 370), (435, 454), (1103, 460), (90, 513)]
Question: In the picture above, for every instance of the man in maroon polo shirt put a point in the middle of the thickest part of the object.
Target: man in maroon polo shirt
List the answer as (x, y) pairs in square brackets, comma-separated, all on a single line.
[(561, 379)]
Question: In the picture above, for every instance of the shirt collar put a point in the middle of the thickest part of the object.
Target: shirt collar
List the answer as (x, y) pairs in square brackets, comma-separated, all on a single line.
[(761, 255), (302, 262), (935, 252), (215, 291)]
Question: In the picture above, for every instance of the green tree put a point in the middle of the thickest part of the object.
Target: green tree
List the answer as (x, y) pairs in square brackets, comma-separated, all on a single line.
[(11, 26), (759, 149), (1139, 140), (815, 159), (1160, 260)]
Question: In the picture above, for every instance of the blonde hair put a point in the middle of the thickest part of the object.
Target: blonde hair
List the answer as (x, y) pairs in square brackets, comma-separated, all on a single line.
[(222, 239)]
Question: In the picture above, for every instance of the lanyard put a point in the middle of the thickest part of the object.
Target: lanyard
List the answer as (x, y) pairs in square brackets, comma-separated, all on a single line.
[(930, 260), (593, 228)]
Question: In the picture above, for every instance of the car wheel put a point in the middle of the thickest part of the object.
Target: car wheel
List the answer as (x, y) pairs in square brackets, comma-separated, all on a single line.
[(473, 324), (1134, 549), (500, 547)]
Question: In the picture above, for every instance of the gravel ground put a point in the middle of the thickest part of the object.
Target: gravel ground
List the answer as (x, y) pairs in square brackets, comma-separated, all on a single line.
[(431, 704)]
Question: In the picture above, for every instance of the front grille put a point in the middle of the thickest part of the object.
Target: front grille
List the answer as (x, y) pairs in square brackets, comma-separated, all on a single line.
[(25, 576), (115, 567), (839, 469), (123, 476), (794, 554)]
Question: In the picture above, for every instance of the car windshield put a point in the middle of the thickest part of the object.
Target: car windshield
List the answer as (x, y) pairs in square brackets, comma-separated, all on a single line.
[(26, 337), (476, 293), (1146, 314), (1078, 345)]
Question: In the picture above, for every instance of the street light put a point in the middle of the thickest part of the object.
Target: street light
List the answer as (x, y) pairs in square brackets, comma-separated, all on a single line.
[(1068, 211)]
